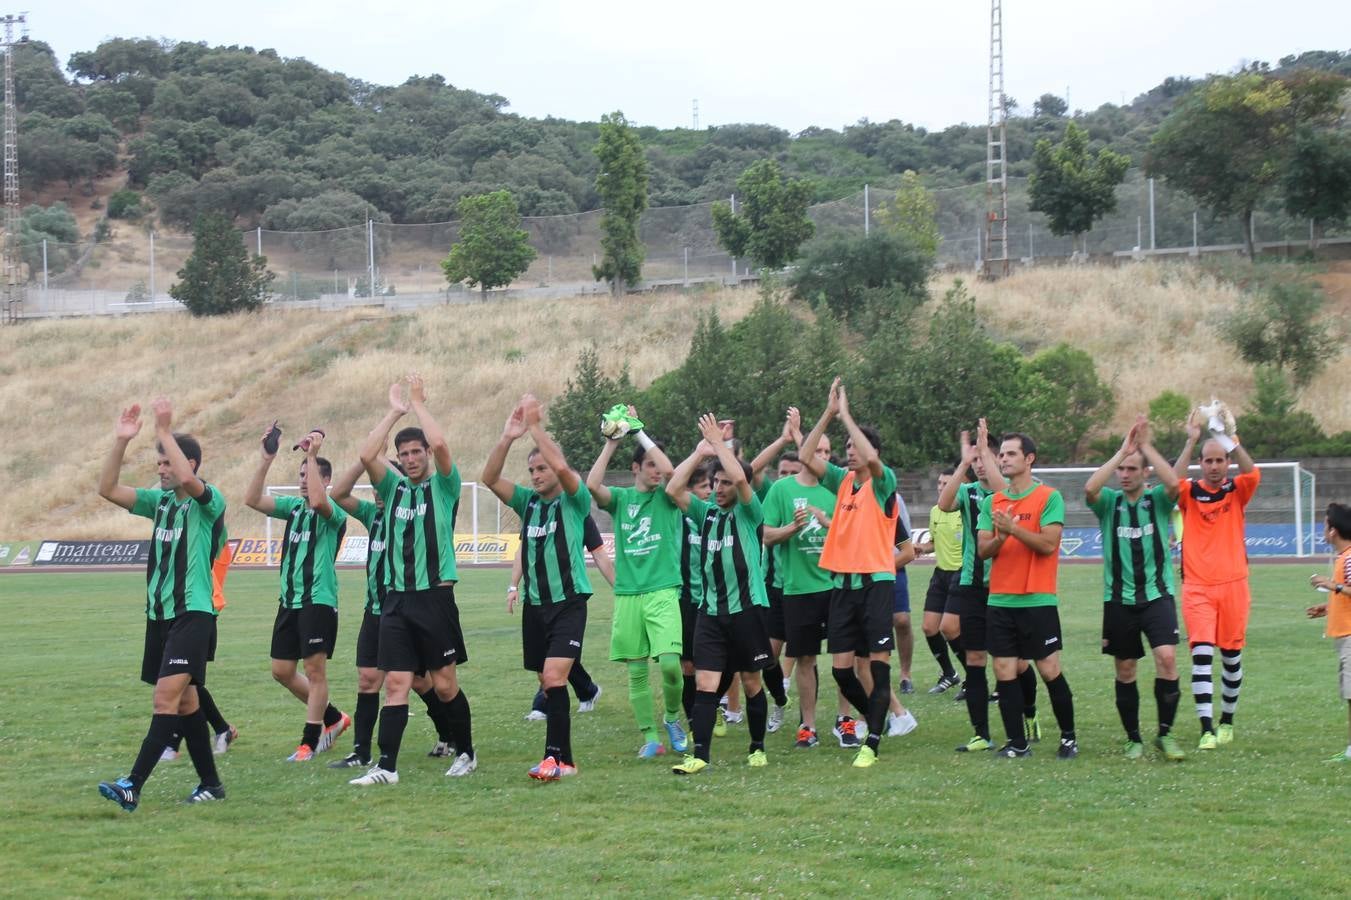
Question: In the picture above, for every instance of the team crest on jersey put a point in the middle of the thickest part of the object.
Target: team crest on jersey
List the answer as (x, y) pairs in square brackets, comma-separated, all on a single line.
[(634, 509)]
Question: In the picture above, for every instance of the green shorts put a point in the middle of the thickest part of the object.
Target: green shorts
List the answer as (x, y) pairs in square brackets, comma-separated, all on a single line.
[(646, 625)]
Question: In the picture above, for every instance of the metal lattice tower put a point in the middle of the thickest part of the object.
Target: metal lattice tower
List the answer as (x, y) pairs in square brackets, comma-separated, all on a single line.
[(13, 262), (696, 113), (996, 255)]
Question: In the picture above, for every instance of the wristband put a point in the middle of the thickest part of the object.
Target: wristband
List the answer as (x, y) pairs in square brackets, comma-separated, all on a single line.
[(643, 440), (513, 590)]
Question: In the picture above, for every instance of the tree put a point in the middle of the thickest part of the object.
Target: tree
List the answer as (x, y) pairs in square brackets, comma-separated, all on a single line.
[(1168, 414), (1280, 327), (1049, 106), (493, 248), (1073, 404), (912, 214), (219, 276), (1227, 142), (574, 416), (1072, 187), (840, 273), (771, 222), (57, 226), (1317, 180), (622, 185)]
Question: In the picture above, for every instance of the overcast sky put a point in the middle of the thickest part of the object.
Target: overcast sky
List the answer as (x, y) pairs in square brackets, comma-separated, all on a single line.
[(790, 63)]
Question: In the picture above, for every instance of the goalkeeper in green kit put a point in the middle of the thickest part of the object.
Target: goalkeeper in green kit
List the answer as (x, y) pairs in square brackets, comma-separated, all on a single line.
[(649, 531)]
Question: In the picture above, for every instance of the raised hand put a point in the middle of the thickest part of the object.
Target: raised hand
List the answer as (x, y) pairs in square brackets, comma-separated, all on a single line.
[(1144, 435), (531, 410), (515, 426), (793, 425), (968, 449), (311, 443), (1194, 422), (417, 392), (129, 423), (712, 429), (164, 413), (396, 401), (1003, 522), (833, 398), (982, 434), (844, 400), (705, 449)]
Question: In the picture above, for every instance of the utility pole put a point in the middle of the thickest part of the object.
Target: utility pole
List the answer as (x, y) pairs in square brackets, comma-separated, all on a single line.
[(996, 261), (696, 113), (13, 261)]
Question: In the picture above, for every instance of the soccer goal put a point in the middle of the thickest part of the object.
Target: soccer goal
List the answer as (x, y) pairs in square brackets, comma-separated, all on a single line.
[(479, 535), (1281, 519)]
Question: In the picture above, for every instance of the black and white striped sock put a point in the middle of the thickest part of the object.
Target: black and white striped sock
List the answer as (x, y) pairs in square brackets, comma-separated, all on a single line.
[(1230, 682), (1203, 687)]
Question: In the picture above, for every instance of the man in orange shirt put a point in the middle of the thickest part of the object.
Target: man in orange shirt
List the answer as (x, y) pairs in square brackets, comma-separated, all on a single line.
[(1215, 599), (1337, 532)]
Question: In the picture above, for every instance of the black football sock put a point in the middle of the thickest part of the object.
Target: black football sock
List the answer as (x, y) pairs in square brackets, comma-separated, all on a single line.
[(878, 701), (207, 703), (955, 645), (310, 736), (332, 716), (1011, 711), (978, 700), (558, 728), (436, 711), (705, 707), (773, 680), (939, 648), (1128, 707), (725, 683), (363, 724), (460, 723), (393, 720), (1027, 680), (1062, 704), (757, 713), (163, 731), (582, 683), (198, 741), (687, 698), (1167, 695), (852, 689)]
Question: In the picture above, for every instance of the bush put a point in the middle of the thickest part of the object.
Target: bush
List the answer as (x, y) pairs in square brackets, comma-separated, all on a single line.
[(839, 272), (125, 204)]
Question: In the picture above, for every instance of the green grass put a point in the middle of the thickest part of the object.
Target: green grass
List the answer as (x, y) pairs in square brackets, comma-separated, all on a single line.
[(1259, 817)]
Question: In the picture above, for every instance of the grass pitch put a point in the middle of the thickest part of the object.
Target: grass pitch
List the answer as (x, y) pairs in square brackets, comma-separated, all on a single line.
[(1263, 816)]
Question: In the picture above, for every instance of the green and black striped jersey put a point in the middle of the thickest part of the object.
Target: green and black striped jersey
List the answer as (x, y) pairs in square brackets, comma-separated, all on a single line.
[(188, 534), (553, 556), (975, 571), (419, 529), (372, 517), (1136, 566), (691, 563), (309, 549), (733, 578)]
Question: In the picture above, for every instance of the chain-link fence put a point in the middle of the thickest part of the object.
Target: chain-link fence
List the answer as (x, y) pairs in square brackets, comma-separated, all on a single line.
[(131, 269)]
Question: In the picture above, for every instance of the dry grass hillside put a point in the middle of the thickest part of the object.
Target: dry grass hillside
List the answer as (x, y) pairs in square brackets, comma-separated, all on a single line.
[(1149, 327)]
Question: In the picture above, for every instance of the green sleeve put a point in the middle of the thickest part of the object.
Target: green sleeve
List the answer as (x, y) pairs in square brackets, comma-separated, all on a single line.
[(580, 501), (366, 512), (751, 511), (1103, 505), (520, 498), (1161, 499), (1053, 513), (449, 484), (762, 491), (833, 477), (985, 521), (336, 520), (885, 486), (697, 510), (284, 505), (774, 505), (212, 502), (388, 482), (617, 495), (147, 501)]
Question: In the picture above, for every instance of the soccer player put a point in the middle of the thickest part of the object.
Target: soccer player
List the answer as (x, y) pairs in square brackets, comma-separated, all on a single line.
[(1019, 532), (649, 532), (1215, 598), (796, 523), (945, 543), (860, 552), (900, 598), (180, 628), (730, 635), (1337, 608), (369, 677), (553, 621), (578, 677), (419, 621), (1138, 586), (692, 597), (306, 626)]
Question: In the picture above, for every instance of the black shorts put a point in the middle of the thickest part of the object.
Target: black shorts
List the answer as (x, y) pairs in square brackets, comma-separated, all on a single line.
[(552, 630), (1122, 627), (689, 613), (941, 583), (182, 644), (1024, 632), (303, 632), (971, 604), (805, 617), (773, 614), (732, 643), (860, 619), (420, 631), (368, 641)]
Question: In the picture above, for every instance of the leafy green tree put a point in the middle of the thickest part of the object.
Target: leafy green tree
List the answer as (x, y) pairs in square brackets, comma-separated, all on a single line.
[(56, 225), (1075, 401), (622, 185), (1168, 414), (1072, 187), (219, 277), (493, 248), (125, 204), (912, 213), (1317, 180), (1049, 106), (770, 222), (840, 273), (1281, 326), (1227, 142), (574, 416)]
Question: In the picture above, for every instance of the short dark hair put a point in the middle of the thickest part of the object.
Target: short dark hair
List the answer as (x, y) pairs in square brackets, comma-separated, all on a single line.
[(640, 452), (719, 467), (1339, 519), (947, 470), (325, 467), (190, 447), (408, 435), (789, 456), (1028, 445), (702, 472), (873, 437)]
